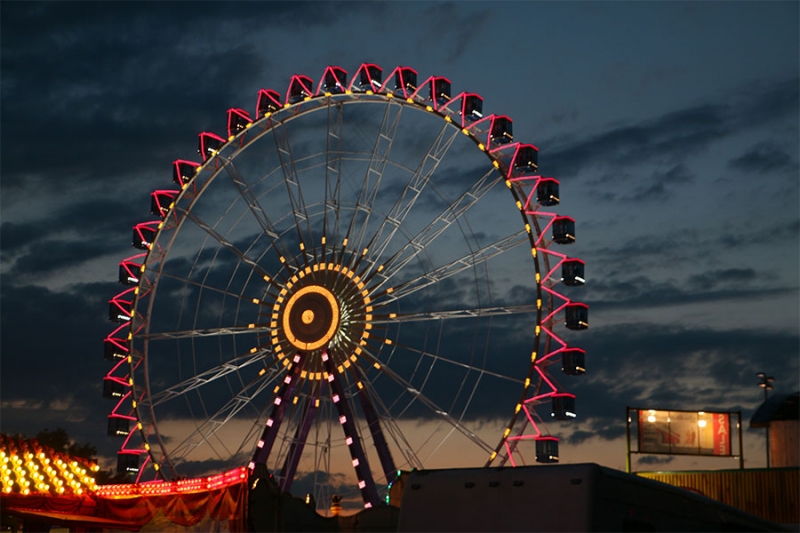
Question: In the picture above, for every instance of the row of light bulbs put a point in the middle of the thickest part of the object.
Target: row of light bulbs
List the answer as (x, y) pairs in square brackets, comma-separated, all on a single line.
[(36, 474)]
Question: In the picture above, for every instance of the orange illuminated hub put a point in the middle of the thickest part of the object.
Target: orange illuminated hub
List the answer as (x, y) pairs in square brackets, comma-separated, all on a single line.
[(324, 306), (310, 318)]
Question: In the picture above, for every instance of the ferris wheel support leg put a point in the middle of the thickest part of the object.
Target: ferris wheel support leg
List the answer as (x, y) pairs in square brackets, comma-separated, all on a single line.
[(276, 417), (384, 454), (298, 443), (366, 483)]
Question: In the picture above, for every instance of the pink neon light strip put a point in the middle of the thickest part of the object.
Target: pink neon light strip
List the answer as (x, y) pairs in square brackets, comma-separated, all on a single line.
[(554, 336), (336, 71), (116, 366), (459, 98), (141, 468), (549, 383), (537, 431), (501, 146), (556, 294), (552, 270), (543, 233), (357, 76), (520, 146), (119, 403), (121, 343), (555, 312), (509, 454), (474, 126), (531, 197), (446, 107), (551, 354)]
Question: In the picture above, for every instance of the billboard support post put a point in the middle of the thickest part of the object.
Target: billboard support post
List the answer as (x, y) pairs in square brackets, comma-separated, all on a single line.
[(741, 449), (628, 435)]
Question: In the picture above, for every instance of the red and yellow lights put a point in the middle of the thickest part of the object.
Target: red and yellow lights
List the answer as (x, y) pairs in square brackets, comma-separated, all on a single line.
[(226, 479)]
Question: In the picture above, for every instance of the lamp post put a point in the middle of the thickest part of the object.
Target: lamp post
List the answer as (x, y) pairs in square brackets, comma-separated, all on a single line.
[(766, 384)]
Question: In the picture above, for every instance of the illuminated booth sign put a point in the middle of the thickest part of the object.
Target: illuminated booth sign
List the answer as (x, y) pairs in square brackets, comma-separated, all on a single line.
[(672, 432), (684, 432)]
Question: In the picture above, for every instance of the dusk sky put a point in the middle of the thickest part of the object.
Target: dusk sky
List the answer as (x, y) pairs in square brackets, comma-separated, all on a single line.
[(672, 126)]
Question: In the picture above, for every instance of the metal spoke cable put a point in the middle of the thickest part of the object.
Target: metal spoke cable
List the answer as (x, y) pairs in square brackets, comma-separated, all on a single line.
[(213, 423), (225, 243), (205, 377), (427, 402), (459, 363), (374, 174), (206, 332), (476, 312), (425, 237), (458, 265), (412, 191), (294, 191)]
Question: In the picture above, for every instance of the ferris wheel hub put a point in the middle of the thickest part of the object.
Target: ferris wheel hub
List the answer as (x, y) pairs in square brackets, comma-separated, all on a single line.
[(311, 317)]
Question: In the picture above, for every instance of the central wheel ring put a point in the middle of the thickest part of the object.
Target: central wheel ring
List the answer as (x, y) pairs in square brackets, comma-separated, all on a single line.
[(311, 317)]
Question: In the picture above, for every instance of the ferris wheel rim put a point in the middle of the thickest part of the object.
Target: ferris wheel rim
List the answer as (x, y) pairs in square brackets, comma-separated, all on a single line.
[(292, 114)]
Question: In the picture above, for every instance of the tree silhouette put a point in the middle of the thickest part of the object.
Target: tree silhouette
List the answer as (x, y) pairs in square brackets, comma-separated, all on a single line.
[(60, 441)]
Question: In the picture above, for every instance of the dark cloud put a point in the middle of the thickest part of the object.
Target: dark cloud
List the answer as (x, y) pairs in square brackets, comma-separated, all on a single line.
[(674, 135), (655, 459), (763, 158), (677, 367), (660, 185), (714, 278), (452, 28), (53, 360), (681, 246), (641, 292), (668, 137), (148, 65), (69, 236)]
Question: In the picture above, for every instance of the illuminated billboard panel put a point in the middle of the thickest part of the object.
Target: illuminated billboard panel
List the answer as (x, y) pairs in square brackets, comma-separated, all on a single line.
[(684, 432)]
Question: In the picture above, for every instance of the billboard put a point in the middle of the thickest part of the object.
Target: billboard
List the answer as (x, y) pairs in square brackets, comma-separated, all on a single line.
[(684, 432)]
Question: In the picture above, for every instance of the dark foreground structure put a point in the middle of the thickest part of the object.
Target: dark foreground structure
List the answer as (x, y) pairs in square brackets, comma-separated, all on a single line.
[(583, 497)]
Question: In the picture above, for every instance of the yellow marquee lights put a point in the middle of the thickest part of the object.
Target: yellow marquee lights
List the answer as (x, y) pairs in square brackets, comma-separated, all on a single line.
[(27, 468)]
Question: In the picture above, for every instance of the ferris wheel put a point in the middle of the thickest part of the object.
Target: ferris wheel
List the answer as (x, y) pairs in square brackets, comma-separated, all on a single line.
[(359, 278)]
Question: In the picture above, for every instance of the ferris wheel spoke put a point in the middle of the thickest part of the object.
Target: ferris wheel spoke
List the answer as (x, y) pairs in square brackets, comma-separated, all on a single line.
[(374, 174), (207, 376), (466, 366), (298, 442), (246, 192), (379, 420), (427, 402), (454, 267), (294, 191), (204, 286), (333, 173), (475, 312), (225, 243), (412, 191), (442, 222), (209, 427), (206, 332), (389, 422)]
